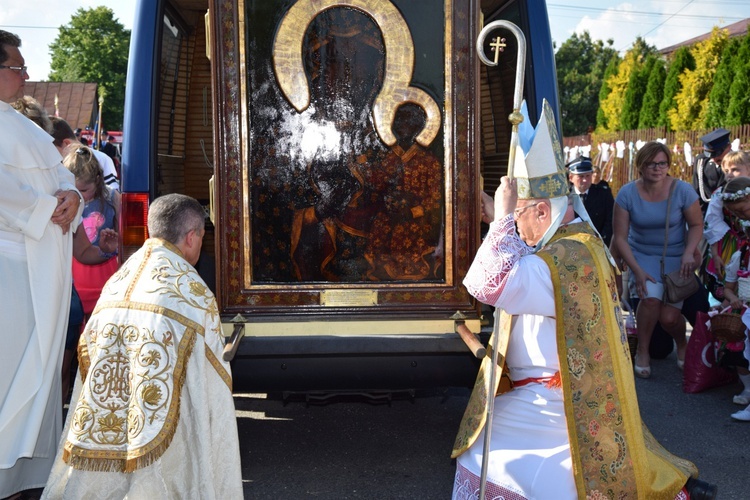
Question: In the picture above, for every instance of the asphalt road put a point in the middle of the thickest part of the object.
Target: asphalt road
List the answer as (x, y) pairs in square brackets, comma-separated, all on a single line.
[(352, 447), (698, 427)]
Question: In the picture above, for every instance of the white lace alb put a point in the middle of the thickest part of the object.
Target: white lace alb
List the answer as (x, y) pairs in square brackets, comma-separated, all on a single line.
[(494, 261)]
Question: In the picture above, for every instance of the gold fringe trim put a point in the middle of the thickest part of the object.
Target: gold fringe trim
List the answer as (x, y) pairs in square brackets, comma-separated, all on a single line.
[(113, 461), (102, 464)]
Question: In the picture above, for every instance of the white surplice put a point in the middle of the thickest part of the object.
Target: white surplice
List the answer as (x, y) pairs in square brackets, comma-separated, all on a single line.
[(35, 267), (152, 414)]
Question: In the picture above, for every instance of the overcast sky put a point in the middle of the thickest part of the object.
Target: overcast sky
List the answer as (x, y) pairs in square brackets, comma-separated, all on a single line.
[(662, 23)]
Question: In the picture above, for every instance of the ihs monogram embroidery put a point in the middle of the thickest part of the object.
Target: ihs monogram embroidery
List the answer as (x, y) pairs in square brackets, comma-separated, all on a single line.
[(127, 357)]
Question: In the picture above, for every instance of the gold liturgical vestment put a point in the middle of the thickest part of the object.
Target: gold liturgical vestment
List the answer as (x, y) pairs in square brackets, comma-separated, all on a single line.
[(152, 415), (613, 452)]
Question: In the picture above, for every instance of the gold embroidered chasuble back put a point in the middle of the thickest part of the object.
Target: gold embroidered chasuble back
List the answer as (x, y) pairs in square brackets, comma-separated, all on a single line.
[(134, 353), (614, 454)]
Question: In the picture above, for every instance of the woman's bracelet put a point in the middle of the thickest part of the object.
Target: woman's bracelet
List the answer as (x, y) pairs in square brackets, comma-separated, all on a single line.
[(106, 255)]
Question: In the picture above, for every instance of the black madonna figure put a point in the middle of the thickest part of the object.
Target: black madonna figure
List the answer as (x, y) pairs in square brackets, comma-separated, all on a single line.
[(342, 177), (343, 191)]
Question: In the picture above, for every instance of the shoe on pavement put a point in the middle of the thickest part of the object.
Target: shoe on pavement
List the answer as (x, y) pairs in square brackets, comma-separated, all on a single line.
[(742, 398), (641, 371), (700, 490), (743, 415)]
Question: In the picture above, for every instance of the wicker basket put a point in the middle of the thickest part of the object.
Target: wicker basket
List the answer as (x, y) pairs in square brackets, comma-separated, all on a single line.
[(728, 327)]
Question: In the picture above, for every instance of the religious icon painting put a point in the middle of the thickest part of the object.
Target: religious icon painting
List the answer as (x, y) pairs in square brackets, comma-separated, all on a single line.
[(348, 169)]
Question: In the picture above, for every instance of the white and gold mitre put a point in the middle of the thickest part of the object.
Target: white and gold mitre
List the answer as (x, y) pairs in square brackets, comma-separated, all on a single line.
[(539, 167)]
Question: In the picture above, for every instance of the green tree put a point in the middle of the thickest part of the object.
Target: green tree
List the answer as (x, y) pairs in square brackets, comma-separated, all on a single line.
[(93, 47), (581, 64), (682, 61), (649, 116), (738, 109), (637, 84), (614, 104), (718, 98), (692, 100), (605, 90)]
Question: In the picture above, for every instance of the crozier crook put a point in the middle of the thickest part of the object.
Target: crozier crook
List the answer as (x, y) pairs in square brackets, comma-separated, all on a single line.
[(515, 117), (399, 64)]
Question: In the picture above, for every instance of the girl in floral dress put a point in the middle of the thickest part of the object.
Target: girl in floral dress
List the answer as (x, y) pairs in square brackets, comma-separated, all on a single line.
[(736, 197), (722, 229)]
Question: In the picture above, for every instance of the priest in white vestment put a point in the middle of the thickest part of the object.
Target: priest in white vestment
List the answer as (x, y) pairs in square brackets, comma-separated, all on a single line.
[(38, 206), (152, 414)]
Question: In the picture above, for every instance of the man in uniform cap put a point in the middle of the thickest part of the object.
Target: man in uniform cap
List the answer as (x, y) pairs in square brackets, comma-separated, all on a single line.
[(596, 198), (707, 174)]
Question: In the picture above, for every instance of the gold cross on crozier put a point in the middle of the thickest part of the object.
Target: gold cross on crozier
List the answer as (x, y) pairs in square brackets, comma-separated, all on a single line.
[(497, 46)]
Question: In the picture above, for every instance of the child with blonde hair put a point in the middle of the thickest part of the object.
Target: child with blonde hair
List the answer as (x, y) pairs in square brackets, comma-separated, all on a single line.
[(99, 223), (101, 211), (722, 230)]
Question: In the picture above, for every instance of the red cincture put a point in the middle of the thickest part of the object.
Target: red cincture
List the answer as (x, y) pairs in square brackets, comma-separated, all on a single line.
[(553, 382)]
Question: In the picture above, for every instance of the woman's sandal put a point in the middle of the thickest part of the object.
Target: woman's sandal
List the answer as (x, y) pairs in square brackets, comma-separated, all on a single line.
[(681, 362), (641, 371)]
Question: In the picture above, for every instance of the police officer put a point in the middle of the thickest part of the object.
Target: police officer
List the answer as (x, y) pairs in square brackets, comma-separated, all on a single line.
[(707, 174), (597, 198)]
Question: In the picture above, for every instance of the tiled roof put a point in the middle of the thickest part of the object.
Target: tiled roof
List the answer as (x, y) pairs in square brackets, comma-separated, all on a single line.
[(76, 101), (737, 29)]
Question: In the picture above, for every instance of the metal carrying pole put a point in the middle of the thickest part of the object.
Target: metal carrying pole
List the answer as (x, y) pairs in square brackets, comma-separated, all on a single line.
[(515, 118)]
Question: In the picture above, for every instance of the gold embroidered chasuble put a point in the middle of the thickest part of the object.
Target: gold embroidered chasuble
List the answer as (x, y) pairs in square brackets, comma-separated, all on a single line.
[(614, 454), (134, 354)]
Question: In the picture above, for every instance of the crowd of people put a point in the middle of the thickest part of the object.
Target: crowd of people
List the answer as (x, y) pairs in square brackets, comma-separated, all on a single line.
[(661, 224), (717, 254), (706, 235)]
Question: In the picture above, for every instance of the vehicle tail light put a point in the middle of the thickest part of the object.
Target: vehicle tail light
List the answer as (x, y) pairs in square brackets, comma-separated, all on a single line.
[(133, 219)]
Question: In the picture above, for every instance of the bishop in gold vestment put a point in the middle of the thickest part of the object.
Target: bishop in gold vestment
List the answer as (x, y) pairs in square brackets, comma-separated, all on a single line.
[(570, 427)]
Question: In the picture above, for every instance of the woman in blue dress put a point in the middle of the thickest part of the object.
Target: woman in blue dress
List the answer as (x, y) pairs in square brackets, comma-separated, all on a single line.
[(639, 230)]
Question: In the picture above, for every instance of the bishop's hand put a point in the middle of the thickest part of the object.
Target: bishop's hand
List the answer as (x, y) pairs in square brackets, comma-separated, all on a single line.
[(506, 197)]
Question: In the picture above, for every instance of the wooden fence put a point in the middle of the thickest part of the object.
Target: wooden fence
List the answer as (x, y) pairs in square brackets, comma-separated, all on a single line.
[(620, 171)]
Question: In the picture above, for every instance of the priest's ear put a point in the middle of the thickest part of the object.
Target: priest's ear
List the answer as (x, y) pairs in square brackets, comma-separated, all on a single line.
[(544, 209), (191, 245)]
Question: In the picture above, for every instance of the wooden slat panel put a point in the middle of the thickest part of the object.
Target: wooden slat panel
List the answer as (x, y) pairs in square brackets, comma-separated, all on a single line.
[(185, 120), (620, 171), (496, 97), (199, 121)]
